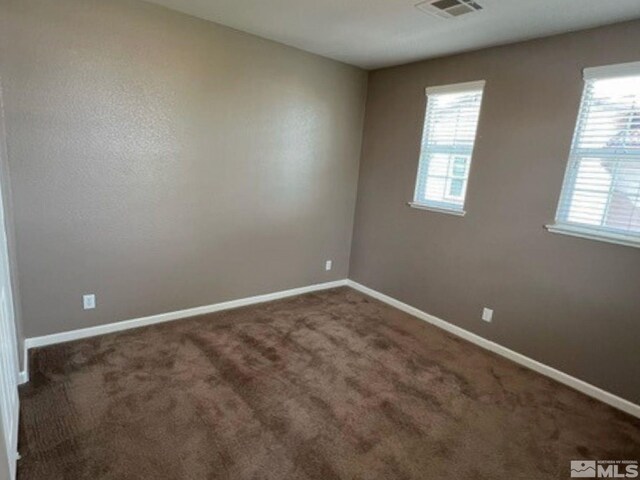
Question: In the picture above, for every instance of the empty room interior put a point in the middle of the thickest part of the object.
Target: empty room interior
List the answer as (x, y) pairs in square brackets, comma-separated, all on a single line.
[(319, 240)]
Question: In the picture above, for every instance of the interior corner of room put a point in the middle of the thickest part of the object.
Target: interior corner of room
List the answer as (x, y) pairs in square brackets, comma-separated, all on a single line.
[(319, 240)]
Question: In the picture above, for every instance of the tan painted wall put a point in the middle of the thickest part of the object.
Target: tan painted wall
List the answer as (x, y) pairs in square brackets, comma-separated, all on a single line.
[(165, 162), (570, 303)]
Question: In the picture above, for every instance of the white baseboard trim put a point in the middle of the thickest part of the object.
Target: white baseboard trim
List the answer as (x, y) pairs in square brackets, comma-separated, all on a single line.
[(55, 338), (23, 375), (566, 379)]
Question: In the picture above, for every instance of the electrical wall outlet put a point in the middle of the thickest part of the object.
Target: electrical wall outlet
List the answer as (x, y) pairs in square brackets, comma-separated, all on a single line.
[(89, 302), (487, 315), (328, 265)]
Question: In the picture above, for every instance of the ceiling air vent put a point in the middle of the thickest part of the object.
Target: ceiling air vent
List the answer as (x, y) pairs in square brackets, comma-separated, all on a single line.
[(449, 8)]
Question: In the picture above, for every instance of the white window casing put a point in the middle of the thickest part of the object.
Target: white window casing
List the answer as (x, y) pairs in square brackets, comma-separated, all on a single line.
[(448, 139), (600, 196)]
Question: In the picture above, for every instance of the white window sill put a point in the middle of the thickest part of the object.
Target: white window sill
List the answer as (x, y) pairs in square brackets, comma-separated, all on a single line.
[(590, 234), (448, 211)]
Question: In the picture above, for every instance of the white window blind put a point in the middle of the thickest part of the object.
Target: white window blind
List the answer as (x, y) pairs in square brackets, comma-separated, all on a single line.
[(448, 138), (600, 196)]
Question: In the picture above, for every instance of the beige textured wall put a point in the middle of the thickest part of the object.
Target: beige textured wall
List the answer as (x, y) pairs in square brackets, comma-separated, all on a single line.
[(163, 162), (573, 304)]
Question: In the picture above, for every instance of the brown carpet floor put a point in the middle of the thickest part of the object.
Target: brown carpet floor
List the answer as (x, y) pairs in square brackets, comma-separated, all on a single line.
[(330, 385)]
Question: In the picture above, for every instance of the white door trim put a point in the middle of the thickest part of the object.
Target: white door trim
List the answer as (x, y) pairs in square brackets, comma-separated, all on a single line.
[(9, 365)]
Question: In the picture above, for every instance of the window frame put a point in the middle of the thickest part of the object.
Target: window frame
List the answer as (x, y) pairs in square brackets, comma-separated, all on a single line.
[(575, 229), (444, 207)]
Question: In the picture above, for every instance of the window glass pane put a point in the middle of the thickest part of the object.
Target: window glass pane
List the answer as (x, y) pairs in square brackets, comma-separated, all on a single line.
[(459, 167), (456, 187)]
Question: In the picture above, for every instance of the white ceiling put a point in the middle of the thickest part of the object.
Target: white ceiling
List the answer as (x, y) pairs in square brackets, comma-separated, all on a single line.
[(378, 33)]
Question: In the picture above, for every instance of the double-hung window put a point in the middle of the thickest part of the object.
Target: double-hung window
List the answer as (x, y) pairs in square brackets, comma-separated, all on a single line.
[(448, 139), (600, 196)]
